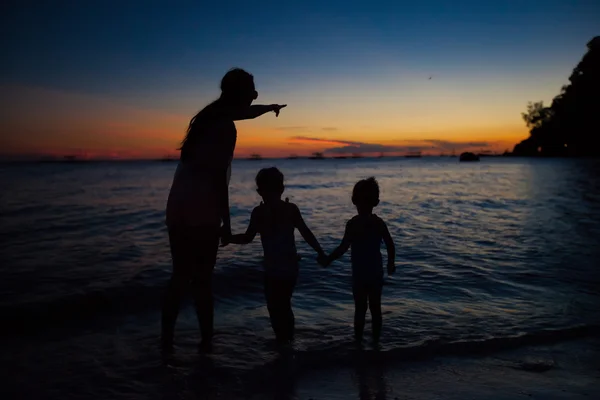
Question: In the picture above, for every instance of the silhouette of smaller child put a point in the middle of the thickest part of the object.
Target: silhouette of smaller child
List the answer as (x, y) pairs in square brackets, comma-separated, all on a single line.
[(364, 233), (276, 221)]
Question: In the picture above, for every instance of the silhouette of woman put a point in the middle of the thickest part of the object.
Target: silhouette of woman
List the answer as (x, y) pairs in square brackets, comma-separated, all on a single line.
[(198, 204)]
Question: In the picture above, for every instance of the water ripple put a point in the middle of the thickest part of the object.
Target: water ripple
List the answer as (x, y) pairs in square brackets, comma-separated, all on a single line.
[(484, 250)]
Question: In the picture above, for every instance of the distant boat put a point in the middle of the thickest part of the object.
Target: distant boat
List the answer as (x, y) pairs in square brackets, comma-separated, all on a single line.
[(255, 157), (413, 154), (381, 155), (293, 157), (340, 157), (356, 155), (168, 159), (468, 156), (317, 156)]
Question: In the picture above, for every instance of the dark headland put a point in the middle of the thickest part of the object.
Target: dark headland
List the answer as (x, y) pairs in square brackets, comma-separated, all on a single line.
[(570, 125)]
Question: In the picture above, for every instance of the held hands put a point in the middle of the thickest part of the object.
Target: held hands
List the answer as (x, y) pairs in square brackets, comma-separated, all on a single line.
[(323, 260), (225, 235), (277, 108)]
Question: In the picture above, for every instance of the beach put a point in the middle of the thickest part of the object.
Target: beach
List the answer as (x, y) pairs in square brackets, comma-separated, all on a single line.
[(113, 364), (569, 370)]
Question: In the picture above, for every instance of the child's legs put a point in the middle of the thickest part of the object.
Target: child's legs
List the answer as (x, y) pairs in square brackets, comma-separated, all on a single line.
[(288, 323), (375, 308), (360, 308), (274, 296), (278, 293)]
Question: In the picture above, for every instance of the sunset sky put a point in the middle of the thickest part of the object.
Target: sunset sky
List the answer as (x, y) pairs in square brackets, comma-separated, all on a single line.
[(123, 78)]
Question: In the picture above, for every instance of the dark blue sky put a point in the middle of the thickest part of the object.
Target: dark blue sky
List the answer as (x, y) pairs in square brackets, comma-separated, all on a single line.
[(112, 46)]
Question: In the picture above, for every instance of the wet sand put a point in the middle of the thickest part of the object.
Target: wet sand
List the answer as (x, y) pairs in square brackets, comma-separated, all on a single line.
[(567, 370)]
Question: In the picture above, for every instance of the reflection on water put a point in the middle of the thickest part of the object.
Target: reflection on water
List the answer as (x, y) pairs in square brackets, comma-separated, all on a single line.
[(372, 382), (284, 377)]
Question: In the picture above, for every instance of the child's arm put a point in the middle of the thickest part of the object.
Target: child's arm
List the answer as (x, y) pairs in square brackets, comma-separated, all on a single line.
[(245, 238), (306, 232), (343, 247), (391, 249), (256, 111)]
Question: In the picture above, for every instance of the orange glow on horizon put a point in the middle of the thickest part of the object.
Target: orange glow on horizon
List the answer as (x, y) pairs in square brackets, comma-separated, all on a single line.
[(44, 122)]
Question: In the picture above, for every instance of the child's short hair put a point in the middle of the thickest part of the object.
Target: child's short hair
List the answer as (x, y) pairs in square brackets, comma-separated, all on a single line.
[(269, 180), (366, 193)]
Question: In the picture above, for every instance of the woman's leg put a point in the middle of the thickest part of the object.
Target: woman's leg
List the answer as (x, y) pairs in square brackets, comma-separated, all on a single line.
[(207, 246), (183, 267), (360, 309), (375, 308)]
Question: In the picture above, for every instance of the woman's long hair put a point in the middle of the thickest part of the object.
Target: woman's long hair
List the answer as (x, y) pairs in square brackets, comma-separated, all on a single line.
[(234, 85)]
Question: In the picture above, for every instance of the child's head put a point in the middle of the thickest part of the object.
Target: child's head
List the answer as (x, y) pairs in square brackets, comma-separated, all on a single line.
[(365, 195), (269, 182)]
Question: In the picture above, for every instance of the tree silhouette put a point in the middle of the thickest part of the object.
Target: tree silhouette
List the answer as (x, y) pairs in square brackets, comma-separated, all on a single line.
[(567, 127), (536, 114)]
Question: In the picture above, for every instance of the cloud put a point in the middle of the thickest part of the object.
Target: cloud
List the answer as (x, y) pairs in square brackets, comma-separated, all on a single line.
[(373, 148), (448, 145), (322, 140), (340, 146), (347, 146), (329, 128)]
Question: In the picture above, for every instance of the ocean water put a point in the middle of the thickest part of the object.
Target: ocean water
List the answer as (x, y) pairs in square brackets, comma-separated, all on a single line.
[(490, 254)]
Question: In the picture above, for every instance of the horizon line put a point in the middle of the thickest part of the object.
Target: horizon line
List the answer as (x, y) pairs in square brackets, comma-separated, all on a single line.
[(241, 158)]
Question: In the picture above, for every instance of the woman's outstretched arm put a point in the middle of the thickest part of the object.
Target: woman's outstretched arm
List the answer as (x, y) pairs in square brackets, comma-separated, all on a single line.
[(256, 111)]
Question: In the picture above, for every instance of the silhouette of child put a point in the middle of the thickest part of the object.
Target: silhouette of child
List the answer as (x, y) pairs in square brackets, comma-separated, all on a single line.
[(276, 221), (364, 233)]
